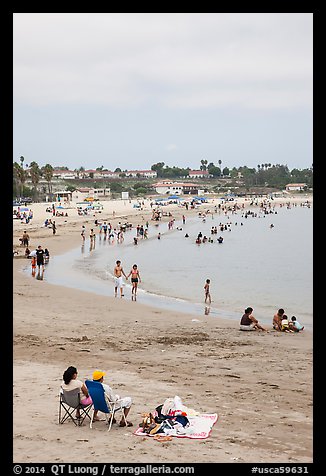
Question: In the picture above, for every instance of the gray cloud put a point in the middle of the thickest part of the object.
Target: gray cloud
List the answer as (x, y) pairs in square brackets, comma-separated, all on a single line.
[(172, 60)]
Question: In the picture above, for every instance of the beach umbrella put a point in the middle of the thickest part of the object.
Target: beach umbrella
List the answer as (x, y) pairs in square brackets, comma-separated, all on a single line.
[(59, 206)]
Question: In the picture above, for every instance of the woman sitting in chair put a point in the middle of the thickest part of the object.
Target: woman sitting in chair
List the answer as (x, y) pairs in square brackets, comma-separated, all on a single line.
[(70, 382)]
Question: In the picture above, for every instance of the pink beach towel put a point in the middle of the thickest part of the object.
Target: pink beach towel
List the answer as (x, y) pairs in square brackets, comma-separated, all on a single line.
[(200, 427)]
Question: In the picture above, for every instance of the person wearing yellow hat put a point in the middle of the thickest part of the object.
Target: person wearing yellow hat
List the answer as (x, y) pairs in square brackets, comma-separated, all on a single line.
[(124, 403)]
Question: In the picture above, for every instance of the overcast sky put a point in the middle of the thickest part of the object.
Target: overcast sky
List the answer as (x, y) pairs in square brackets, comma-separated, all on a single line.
[(129, 90)]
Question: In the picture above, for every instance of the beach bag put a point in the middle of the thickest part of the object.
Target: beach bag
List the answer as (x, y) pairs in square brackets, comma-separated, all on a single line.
[(148, 423)]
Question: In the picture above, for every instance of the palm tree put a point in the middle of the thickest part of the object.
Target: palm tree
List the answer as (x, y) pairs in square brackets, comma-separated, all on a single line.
[(47, 172), (82, 171), (20, 176), (35, 174), (203, 164), (220, 163), (16, 168)]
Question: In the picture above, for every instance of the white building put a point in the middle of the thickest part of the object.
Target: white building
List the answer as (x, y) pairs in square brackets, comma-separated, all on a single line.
[(64, 174), (80, 194), (291, 187), (198, 173), (100, 174), (175, 188), (142, 173)]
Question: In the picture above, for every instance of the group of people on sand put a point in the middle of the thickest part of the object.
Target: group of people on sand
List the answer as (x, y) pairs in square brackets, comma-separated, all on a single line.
[(283, 324), (280, 322), (71, 382)]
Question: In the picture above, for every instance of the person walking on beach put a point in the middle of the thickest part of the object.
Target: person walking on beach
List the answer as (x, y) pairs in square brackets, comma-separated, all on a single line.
[(92, 235), (135, 278), (118, 272), (83, 230), (207, 291)]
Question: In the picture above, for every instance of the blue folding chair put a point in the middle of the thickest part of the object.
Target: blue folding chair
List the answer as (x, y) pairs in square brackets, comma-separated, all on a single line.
[(102, 403)]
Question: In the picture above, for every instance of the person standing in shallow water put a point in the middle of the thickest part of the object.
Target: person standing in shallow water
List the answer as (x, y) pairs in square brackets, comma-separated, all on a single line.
[(40, 257), (207, 291), (118, 272), (135, 278)]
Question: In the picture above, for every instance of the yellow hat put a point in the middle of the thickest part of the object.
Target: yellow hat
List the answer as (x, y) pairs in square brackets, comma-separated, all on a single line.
[(97, 374)]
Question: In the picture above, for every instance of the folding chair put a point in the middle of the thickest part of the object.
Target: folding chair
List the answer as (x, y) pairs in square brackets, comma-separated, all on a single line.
[(69, 402), (102, 403)]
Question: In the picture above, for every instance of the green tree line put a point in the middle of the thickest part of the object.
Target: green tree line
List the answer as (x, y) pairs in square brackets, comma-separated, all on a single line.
[(265, 175)]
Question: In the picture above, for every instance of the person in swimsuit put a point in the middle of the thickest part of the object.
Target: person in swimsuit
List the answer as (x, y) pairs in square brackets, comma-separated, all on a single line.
[(135, 278), (118, 272), (207, 291), (33, 262)]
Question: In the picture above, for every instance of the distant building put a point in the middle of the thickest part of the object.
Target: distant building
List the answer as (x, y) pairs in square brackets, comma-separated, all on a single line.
[(141, 173), (100, 174), (63, 196), (64, 174), (80, 194), (175, 188), (291, 187), (199, 174)]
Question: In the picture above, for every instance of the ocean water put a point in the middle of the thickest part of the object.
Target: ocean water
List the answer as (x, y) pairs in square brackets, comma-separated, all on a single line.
[(256, 265)]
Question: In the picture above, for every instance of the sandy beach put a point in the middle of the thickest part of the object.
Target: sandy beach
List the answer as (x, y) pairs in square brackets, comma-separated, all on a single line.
[(259, 384)]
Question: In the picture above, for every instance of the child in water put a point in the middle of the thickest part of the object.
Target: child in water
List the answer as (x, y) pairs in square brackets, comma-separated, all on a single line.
[(33, 263), (207, 292)]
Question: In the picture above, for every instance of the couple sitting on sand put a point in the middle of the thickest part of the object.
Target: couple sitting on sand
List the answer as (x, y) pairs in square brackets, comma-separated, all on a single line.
[(70, 382), (281, 323)]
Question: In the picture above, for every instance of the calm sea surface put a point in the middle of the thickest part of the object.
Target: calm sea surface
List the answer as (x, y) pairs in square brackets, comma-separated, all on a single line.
[(256, 265)]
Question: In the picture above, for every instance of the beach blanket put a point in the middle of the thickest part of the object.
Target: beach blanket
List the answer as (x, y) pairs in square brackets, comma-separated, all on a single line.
[(200, 427)]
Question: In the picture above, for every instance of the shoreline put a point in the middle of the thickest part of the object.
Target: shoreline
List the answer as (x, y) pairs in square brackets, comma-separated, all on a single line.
[(151, 354)]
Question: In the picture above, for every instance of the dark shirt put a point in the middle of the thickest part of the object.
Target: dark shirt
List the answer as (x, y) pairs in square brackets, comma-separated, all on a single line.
[(40, 256), (245, 320)]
